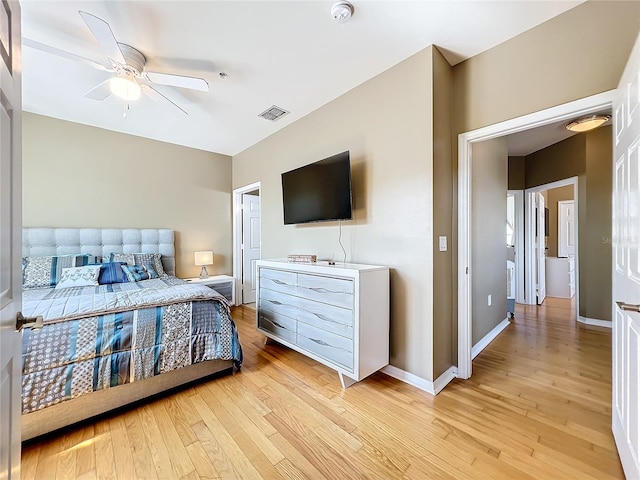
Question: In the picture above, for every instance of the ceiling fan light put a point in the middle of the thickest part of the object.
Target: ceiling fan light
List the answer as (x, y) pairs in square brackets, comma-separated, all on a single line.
[(588, 123), (125, 88)]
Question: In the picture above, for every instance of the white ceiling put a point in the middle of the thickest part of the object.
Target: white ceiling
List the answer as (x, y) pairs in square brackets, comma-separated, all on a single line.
[(286, 53)]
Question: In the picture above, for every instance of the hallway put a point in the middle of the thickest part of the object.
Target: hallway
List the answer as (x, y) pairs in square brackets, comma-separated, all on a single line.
[(550, 379)]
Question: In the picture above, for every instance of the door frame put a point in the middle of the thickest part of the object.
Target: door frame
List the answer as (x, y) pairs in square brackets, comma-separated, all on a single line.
[(237, 236), (530, 278), (566, 111), (518, 200)]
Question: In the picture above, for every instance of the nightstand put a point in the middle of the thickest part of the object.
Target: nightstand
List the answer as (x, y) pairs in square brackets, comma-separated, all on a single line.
[(223, 284)]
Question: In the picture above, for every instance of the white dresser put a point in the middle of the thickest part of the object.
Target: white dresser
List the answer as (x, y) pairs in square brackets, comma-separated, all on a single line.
[(560, 277), (335, 314)]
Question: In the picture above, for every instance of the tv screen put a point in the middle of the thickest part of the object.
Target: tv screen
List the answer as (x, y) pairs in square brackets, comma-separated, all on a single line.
[(318, 192)]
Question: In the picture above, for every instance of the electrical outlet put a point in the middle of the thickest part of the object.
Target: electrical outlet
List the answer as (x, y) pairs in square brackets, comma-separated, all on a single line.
[(489, 300)]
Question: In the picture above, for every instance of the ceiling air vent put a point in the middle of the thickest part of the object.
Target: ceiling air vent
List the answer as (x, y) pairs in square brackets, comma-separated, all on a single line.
[(273, 113)]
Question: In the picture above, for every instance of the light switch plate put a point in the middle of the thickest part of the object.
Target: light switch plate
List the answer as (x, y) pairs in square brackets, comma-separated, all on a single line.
[(442, 243)]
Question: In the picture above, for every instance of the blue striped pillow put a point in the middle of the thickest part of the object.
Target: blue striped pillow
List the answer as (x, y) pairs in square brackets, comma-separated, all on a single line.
[(111, 272), (135, 273)]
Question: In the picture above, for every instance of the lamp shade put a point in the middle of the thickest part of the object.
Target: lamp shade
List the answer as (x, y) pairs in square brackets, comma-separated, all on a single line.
[(203, 258)]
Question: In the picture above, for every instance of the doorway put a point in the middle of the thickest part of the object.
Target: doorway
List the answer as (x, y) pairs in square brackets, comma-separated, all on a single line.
[(247, 241), (565, 112), (542, 256)]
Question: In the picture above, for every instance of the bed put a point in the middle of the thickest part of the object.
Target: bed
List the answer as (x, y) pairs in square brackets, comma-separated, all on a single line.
[(137, 332)]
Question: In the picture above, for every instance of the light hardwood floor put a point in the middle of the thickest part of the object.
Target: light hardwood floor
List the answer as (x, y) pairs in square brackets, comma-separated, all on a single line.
[(537, 406)]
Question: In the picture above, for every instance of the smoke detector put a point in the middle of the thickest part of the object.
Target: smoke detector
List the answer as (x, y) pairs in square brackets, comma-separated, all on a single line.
[(342, 11)]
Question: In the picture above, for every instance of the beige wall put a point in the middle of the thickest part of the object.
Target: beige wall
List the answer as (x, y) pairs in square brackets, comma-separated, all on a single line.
[(386, 123), (597, 294), (488, 252), (589, 157), (574, 55), (516, 173), (444, 302), (554, 196), (561, 160), (80, 176)]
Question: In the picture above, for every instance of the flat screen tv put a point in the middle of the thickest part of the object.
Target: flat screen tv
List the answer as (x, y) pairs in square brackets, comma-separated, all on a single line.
[(318, 192)]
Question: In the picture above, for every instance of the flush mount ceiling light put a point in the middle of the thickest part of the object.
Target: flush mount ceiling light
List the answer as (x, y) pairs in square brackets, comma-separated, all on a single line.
[(342, 11), (125, 87), (588, 123)]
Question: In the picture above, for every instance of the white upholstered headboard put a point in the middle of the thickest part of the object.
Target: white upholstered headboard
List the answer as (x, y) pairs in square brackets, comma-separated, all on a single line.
[(101, 242)]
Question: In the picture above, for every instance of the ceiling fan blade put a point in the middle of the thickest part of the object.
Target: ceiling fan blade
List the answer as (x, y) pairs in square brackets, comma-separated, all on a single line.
[(103, 34), (182, 81), (100, 92), (64, 54), (157, 97)]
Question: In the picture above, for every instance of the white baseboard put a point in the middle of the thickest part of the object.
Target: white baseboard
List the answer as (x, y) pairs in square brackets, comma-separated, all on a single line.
[(488, 338), (425, 385), (594, 321), (444, 379)]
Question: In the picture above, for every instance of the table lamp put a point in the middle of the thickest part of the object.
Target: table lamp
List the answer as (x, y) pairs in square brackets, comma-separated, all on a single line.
[(202, 259)]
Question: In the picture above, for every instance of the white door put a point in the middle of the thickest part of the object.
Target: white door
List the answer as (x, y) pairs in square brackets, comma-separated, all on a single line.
[(626, 267), (540, 248), (250, 245), (10, 238), (566, 229)]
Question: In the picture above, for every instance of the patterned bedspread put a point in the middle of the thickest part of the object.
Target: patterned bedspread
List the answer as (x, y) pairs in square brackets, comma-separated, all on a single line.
[(101, 337)]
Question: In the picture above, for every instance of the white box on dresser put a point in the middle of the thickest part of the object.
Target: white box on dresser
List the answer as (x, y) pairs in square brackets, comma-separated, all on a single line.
[(335, 314)]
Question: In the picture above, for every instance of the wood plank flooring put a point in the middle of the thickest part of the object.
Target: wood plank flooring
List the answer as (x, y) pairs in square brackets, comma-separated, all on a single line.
[(537, 406)]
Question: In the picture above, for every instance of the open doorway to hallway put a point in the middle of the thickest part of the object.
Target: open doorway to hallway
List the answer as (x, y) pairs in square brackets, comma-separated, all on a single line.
[(589, 159)]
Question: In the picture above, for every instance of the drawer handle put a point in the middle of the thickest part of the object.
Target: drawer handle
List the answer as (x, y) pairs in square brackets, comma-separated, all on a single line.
[(280, 282), (325, 344), (275, 302), (324, 290), (327, 319), (272, 322)]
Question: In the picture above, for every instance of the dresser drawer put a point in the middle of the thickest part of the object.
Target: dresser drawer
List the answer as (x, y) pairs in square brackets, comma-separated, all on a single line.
[(333, 291), (333, 348), (278, 281), (279, 303), (326, 317), (280, 325)]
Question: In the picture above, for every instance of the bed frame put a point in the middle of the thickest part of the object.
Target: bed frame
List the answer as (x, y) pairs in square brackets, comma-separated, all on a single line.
[(102, 241)]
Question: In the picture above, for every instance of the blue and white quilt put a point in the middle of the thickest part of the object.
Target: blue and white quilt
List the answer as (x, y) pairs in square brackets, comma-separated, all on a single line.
[(108, 335)]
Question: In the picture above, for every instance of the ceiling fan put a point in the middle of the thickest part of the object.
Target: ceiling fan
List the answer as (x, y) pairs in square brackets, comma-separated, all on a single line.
[(130, 79)]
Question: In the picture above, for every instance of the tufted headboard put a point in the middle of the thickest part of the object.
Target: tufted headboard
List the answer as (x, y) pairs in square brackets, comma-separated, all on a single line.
[(101, 242)]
